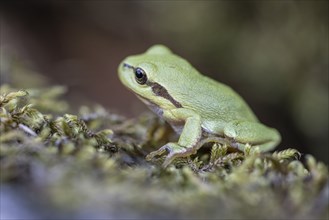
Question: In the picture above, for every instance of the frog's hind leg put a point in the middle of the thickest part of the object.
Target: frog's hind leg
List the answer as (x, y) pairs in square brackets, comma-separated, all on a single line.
[(253, 133)]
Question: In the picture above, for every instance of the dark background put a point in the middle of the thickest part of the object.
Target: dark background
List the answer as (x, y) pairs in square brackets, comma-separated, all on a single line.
[(273, 53)]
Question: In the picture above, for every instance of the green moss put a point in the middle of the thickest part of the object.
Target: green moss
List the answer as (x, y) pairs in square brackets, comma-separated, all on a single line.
[(93, 165)]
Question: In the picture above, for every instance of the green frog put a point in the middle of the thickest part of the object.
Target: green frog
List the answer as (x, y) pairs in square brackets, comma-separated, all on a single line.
[(198, 108)]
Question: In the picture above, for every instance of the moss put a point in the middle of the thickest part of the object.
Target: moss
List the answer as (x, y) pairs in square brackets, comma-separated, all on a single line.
[(92, 165)]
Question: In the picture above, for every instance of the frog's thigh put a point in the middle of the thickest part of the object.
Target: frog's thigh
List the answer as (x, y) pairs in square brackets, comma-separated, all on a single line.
[(253, 133), (191, 132)]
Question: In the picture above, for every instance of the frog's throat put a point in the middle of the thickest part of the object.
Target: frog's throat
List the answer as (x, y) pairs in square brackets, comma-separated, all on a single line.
[(161, 91), (154, 107), (158, 111)]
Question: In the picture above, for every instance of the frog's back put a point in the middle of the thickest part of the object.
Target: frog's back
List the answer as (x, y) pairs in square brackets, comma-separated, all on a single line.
[(214, 101)]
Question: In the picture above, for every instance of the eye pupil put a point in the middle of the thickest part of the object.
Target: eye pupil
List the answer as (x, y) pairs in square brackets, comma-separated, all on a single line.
[(140, 75)]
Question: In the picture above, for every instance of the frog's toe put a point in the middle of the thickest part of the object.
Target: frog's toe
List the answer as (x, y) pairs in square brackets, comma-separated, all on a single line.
[(169, 159), (157, 153), (175, 151)]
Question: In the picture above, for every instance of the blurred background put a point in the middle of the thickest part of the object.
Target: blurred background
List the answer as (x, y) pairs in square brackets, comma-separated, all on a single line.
[(273, 53)]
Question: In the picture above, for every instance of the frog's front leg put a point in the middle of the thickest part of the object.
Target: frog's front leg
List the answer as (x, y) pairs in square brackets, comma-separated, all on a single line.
[(188, 139), (253, 133)]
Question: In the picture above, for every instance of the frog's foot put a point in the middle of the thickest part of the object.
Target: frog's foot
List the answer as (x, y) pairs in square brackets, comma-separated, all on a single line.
[(174, 150), (157, 153)]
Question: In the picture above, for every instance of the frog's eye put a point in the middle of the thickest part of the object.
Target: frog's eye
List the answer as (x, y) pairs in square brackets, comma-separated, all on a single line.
[(140, 76)]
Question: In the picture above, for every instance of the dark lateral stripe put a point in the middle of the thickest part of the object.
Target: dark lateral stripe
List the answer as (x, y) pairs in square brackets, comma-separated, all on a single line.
[(159, 90), (128, 66)]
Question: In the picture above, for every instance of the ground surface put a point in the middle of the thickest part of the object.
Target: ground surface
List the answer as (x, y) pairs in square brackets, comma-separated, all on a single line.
[(92, 165)]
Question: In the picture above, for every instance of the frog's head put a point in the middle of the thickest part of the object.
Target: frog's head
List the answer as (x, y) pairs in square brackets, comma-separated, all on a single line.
[(154, 74)]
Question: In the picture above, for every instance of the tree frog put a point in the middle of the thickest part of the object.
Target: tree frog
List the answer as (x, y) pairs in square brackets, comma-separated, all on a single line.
[(198, 108)]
